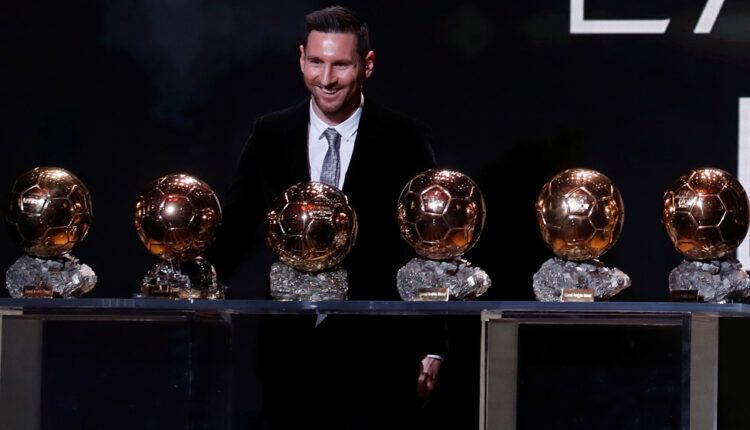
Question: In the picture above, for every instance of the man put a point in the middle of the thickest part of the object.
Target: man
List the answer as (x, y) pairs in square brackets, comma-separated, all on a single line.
[(341, 137)]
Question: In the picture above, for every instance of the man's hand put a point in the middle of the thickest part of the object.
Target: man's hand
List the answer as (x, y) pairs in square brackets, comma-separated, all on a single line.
[(428, 376)]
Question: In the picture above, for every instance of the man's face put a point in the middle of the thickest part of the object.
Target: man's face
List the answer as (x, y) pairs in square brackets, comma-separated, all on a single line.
[(334, 73)]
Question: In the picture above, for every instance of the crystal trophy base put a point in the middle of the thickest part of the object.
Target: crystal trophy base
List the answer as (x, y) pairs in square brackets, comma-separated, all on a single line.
[(188, 279), (288, 283), (61, 276), (714, 281), (432, 280), (575, 281)]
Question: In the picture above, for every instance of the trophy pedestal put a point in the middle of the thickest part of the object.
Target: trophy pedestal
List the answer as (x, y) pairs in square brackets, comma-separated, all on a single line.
[(288, 283), (559, 279), (432, 280), (189, 279), (61, 276), (714, 281)]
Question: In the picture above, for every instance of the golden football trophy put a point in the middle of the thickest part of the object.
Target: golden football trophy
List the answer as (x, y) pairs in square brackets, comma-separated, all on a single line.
[(441, 214), (580, 214), (49, 213), (176, 218), (312, 228), (706, 216)]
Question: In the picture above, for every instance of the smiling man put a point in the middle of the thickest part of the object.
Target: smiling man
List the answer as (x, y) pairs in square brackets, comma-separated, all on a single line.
[(334, 71), (350, 372)]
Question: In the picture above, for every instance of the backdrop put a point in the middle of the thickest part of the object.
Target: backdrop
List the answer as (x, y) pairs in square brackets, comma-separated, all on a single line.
[(123, 91)]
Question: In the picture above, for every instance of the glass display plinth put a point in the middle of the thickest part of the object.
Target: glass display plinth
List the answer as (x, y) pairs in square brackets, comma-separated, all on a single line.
[(72, 363), (354, 307)]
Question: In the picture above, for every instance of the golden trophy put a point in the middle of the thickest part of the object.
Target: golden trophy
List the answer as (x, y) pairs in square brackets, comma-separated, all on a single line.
[(312, 228), (706, 216), (441, 214), (49, 213), (580, 214), (176, 218)]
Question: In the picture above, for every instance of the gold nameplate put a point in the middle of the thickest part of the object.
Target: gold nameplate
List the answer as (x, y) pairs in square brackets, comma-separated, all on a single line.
[(577, 295), (38, 292), (684, 296), (161, 292), (433, 294)]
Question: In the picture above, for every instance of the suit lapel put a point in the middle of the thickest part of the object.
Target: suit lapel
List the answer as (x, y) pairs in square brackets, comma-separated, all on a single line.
[(364, 147)]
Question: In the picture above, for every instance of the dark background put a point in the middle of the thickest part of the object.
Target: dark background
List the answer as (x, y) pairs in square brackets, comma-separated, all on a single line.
[(123, 91)]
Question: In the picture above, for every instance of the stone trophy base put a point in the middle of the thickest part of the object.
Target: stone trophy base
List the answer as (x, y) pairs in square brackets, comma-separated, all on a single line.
[(562, 280), (61, 276), (188, 279), (714, 281), (432, 280), (288, 283)]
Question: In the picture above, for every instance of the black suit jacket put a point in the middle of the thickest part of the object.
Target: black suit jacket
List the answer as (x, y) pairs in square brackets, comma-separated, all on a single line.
[(389, 150), (318, 369)]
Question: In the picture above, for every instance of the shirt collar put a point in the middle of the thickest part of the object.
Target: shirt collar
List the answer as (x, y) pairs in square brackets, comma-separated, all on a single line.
[(346, 129)]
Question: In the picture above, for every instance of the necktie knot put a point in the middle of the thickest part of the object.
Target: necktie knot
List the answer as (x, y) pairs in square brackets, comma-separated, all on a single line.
[(333, 137), (331, 170)]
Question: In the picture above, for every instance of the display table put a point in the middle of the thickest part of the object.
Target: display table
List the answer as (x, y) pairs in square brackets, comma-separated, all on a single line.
[(171, 364), (587, 369)]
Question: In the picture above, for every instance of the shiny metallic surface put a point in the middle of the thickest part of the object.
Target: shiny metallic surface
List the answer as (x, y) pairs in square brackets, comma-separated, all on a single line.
[(290, 284), (62, 276), (193, 278), (706, 214), (49, 211), (557, 275), (176, 216), (441, 214), (580, 214), (715, 281), (436, 280), (311, 226)]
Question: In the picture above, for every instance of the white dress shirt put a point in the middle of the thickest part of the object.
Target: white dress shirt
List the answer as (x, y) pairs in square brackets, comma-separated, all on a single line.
[(317, 144)]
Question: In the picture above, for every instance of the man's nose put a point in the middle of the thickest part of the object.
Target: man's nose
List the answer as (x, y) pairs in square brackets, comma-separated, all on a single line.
[(328, 76)]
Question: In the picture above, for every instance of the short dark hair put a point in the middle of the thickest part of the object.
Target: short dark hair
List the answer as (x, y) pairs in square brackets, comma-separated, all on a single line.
[(338, 19)]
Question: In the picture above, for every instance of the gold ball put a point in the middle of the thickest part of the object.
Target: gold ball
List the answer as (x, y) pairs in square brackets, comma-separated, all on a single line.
[(50, 211), (441, 214), (580, 214), (176, 216), (311, 226), (706, 214)]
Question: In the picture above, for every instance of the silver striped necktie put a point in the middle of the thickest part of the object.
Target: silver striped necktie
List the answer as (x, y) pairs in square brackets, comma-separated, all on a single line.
[(329, 174)]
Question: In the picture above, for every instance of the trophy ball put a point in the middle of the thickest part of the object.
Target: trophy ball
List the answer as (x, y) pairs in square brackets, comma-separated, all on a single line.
[(705, 213), (311, 226), (49, 213), (580, 214), (176, 216), (441, 214)]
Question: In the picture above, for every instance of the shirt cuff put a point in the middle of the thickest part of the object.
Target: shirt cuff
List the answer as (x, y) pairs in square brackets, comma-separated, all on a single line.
[(435, 356)]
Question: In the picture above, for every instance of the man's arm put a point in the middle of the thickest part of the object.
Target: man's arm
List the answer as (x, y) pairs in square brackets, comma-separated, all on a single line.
[(433, 330)]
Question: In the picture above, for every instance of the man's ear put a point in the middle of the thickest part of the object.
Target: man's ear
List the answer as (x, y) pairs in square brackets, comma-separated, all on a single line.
[(302, 58), (369, 63)]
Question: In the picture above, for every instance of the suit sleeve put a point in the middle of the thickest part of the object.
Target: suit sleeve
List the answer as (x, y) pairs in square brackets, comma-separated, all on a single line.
[(431, 332)]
